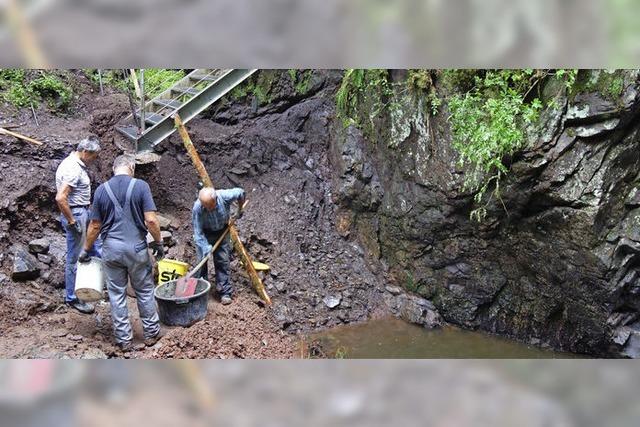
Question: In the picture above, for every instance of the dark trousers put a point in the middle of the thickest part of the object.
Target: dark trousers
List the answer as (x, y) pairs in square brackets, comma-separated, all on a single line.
[(221, 259)]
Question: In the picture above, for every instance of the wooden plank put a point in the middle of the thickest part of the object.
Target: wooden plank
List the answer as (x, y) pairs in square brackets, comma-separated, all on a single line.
[(136, 84), (19, 136), (257, 284)]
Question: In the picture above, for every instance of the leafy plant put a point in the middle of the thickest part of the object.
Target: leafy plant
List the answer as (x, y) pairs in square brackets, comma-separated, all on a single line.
[(22, 89), (50, 88), (301, 80), (488, 124), (411, 285), (18, 95), (422, 81), (459, 80), (362, 96), (258, 85), (110, 77)]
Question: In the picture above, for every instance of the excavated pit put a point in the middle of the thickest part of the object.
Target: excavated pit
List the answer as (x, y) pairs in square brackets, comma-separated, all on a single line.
[(279, 155)]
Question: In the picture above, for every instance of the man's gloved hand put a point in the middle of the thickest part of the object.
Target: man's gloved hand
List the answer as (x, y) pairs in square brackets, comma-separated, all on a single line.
[(76, 227), (157, 249), (84, 256)]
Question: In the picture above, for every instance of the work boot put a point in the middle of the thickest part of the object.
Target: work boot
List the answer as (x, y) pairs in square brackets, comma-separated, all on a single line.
[(125, 347), (150, 342), (225, 300), (82, 307)]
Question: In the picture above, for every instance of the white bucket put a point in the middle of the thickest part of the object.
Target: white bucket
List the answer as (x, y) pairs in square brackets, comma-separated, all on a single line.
[(90, 280)]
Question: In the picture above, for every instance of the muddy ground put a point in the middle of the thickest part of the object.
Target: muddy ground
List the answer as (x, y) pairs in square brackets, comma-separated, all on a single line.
[(278, 153)]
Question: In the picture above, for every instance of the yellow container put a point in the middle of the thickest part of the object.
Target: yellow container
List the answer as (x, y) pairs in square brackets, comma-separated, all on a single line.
[(170, 269)]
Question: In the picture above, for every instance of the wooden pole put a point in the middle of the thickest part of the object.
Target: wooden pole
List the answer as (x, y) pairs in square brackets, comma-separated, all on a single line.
[(19, 136), (195, 157), (143, 124), (136, 84), (257, 284), (100, 81)]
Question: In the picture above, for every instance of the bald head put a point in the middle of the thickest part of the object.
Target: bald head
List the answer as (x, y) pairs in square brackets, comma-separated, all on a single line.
[(207, 197)]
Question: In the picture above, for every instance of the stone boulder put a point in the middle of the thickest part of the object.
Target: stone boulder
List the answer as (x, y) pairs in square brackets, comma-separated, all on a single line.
[(25, 265), (167, 221), (39, 246), (332, 301), (419, 311), (412, 308)]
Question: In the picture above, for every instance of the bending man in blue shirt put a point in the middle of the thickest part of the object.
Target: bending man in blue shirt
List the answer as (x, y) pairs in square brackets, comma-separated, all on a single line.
[(210, 216)]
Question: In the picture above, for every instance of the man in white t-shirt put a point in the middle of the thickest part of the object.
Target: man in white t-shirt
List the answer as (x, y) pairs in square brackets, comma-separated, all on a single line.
[(73, 199)]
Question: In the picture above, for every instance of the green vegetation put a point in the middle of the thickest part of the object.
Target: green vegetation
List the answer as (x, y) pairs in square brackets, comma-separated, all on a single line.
[(114, 78), (21, 88), (259, 85), (489, 123), (608, 83), (421, 81), (363, 95), (366, 96), (301, 80), (459, 80), (156, 80), (411, 285), (491, 112)]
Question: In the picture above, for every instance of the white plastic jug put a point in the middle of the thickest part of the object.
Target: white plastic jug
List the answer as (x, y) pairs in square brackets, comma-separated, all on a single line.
[(90, 280)]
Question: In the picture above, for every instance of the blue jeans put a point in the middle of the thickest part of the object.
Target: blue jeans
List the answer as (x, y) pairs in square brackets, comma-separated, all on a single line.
[(220, 261), (74, 246)]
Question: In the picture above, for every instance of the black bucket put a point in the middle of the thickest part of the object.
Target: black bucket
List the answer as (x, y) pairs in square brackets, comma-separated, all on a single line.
[(174, 311)]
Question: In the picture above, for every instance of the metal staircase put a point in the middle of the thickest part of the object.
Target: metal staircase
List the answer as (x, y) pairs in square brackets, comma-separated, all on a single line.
[(188, 97)]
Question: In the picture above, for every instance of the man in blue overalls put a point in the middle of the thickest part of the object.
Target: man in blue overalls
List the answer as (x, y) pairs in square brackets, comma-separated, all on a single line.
[(123, 210), (211, 213)]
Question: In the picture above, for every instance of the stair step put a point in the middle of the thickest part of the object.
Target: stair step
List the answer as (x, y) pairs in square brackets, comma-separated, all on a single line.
[(153, 118), (186, 91), (171, 103), (130, 132)]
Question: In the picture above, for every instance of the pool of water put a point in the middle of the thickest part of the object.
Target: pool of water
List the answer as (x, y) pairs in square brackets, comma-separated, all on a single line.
[(391, 338)]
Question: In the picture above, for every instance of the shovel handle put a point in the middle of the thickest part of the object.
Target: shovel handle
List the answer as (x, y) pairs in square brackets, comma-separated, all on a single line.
[(206, 256)]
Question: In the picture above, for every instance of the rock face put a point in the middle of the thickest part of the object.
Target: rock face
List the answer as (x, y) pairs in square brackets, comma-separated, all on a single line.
[(560, 266), (25, 265)]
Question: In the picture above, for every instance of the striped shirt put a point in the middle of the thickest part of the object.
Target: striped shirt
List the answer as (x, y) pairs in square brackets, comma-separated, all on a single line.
[(73, 172)]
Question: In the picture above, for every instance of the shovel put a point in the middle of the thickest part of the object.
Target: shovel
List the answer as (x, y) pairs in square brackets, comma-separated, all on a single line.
[(186, 286)]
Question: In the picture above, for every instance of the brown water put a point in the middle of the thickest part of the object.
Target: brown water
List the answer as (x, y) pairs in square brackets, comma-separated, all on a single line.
[(392, 338)]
